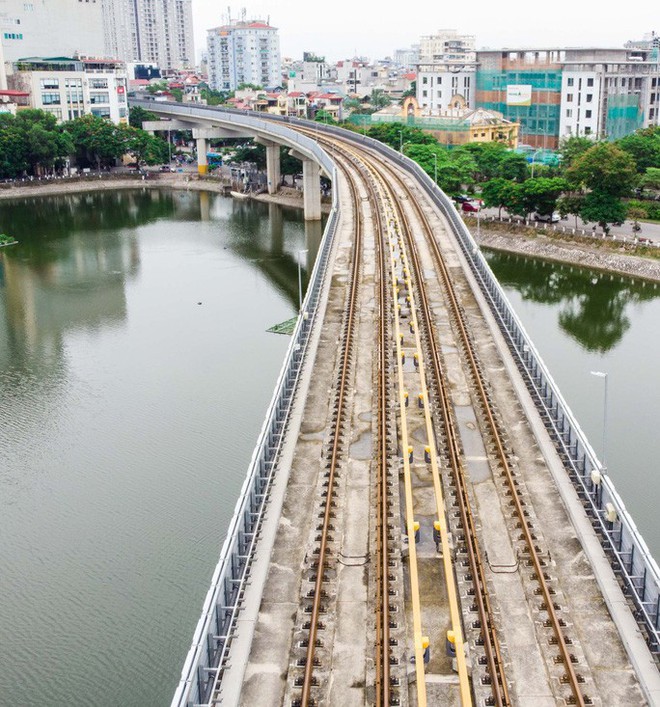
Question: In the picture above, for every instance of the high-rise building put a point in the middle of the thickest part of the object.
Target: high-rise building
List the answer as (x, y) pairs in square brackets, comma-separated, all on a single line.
[(153, 31), (244, 52), (51, 28), (446, 72)]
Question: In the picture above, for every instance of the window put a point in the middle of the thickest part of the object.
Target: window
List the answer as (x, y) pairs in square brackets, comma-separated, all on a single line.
[(98, 83), (425, 79), (101, 112), (590, 83), (50, 83), (570, 82), (587, 114), (96, 98), (587, 131), (439, 94), (569, 113), (589, 97), (425, 94), (50, 99), (438, 79), (569, 98)]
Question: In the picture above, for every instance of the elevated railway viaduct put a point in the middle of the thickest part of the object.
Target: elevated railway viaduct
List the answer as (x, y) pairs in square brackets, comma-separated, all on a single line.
[(423, 521)]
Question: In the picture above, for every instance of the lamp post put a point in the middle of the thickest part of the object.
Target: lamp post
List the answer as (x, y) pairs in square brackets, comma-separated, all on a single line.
[(401, 141), (300, 254), (600, 374), (435, 167)]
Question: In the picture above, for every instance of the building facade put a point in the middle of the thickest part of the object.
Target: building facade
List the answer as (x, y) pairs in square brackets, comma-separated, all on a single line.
[(244, 52), (51, 28), (609, 93), (446, 73), (69, 88), (158, 32)]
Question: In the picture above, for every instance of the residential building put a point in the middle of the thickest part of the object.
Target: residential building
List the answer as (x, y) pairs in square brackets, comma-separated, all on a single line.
[(51, 28), (407, 58), (159, 32), (446, 72), (609, 93), (244, 52), (69, 88)]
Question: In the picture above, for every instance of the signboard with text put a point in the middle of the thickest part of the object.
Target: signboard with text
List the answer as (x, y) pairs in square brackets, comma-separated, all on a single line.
[(519, 95)]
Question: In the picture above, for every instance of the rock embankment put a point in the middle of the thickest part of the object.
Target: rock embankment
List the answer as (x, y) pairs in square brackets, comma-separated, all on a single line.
[(585, 253)]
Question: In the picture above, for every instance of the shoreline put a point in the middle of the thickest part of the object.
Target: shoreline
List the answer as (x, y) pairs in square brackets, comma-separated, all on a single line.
[(582, 254)]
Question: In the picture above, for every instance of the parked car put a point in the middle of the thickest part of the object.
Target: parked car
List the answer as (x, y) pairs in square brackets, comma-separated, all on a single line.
[(461, 198), (643, 240), (471, 206), (167, 168), (554, 217)]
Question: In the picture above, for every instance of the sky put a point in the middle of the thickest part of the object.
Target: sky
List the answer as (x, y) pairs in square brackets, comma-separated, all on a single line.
[(341, 29)]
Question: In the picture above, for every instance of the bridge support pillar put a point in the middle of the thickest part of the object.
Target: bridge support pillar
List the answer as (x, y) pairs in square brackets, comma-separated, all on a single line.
[(202, 164), (311, 190), (273, 167)]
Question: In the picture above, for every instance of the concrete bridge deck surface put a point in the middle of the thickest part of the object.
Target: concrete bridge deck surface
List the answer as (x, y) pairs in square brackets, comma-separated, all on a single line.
[(263, 670)]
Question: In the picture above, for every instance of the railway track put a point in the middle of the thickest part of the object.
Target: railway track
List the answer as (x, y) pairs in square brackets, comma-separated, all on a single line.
[(404, 243)]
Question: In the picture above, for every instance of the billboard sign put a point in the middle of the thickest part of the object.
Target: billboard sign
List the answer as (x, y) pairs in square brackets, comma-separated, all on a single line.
[(519, 95)]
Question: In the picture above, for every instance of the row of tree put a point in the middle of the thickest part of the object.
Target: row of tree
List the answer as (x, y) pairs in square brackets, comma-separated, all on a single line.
[(33, 144), (590, 180)]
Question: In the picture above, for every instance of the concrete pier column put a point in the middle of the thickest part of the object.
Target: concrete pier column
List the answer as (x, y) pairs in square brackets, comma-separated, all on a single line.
[(311, 190), (273, 167), (202, 164)]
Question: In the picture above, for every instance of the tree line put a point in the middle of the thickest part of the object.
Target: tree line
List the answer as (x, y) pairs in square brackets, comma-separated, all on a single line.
[(590, 180), (32, 143)]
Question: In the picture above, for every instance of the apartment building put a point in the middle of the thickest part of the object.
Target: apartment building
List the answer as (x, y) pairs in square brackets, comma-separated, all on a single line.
[(159, 32), (69, 88), (244, 52), (51, 28), (446, 73), (609, 93)]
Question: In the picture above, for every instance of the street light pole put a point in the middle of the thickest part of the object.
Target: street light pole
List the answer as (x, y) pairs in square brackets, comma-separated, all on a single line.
[(435, 166), (300, 254), (401, 141), (600, 374)]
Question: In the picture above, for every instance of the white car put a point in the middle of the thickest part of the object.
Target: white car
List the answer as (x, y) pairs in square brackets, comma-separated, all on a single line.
[(554, 217)]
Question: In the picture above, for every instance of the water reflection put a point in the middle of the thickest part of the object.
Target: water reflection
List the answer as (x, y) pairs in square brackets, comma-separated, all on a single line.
[(591, 306)]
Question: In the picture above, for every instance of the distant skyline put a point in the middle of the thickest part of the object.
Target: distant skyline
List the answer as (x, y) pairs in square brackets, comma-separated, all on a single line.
[(562, 23)]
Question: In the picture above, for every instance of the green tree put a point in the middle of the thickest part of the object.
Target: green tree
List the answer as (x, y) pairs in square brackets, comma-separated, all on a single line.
[(96, 140), (146, 148), (410, 93), (540, 194), (571, 148), (156, 87), (454, 171), (571, 204), (499, 193), (644, 147), (139, 115), (603, 209), (395, 134), (651, 178), (604, 167), (323, 116), (493, 159), (379, 99)]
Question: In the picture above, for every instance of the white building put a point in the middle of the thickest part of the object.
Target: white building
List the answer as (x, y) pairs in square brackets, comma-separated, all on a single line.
[(244, 52), (51, 28), (446, 72), (69, 88), (609, 93), (152, 31)]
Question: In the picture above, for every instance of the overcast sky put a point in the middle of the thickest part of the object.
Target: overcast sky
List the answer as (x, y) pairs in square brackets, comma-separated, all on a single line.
[(339, 29)]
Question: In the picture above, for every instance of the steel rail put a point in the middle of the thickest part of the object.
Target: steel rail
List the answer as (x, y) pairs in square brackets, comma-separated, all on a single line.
[(342, 389), (502, 456)]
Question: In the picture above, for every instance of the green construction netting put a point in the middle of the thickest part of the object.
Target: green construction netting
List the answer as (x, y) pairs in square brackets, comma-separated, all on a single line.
[(624, 116)]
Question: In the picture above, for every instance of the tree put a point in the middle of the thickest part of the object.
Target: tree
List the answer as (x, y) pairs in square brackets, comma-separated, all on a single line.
[(395, 134), (651, 178), (146, 148), (604, 167), (323, 116), (499, 193), (139, 115), (571, 148), (571, 204), (493, 159), (96, 140), (379, 99), (603, 209), (410, 93), (454, 171), (644, 147), (540, 194)]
